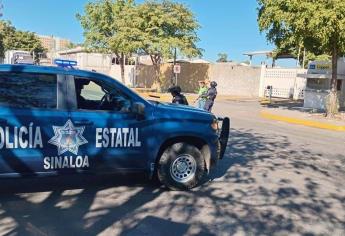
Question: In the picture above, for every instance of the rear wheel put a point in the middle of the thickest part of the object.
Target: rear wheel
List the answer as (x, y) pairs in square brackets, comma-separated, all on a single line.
[(181, 167)]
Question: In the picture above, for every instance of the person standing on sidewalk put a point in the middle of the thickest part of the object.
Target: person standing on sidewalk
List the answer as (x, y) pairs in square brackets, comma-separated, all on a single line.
[(200, 101), (210, 96)]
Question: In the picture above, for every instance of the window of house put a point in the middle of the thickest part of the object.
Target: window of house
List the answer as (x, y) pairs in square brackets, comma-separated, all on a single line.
[(319, 84), (339, 84)]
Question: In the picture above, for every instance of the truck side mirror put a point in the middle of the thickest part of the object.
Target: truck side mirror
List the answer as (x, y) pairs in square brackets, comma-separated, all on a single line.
[(138, 108)]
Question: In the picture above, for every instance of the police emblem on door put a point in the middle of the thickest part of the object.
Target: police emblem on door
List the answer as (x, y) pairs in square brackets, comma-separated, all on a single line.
[(68, 138)]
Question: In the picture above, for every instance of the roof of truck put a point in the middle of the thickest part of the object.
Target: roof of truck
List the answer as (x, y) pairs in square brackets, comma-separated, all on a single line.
[(60, 70), (45, 69)]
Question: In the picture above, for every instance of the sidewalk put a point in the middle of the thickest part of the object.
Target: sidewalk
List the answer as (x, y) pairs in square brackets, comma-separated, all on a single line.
[(296, 115)]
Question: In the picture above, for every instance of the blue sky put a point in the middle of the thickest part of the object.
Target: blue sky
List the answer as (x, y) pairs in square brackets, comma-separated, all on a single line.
[(228, 26)]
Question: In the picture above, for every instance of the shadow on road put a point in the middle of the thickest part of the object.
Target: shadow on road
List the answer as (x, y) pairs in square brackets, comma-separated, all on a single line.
[(263, 186), (274, 187), (287, 104)]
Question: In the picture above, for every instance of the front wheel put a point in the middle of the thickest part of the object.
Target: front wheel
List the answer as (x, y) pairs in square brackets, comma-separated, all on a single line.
[(181, 167)]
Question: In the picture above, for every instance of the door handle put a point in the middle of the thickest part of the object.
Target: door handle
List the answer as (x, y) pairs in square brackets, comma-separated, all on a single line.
[(83, 122)]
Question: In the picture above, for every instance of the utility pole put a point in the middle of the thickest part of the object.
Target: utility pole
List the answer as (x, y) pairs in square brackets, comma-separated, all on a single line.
[(174, 74), (136, 71), (298, 56)]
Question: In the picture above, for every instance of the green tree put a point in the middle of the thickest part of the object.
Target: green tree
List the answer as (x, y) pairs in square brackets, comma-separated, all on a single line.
[(317, 26), (7, 32), (2, 49), (72, 45), (12, 39), (222, 57), (28, 41), (109, 27), (164, 26), (1, 35)]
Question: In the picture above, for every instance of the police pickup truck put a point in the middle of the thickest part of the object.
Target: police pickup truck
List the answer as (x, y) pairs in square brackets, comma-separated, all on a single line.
[(56, 120)]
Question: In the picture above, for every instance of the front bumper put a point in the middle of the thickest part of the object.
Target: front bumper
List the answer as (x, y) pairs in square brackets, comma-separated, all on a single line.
[(223, 135)]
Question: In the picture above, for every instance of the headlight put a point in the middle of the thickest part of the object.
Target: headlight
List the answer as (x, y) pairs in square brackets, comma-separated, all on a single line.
[(214, 125)]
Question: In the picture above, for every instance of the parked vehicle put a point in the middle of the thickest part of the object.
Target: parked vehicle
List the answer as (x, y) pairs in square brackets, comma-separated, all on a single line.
[(56, 121), (18, 57)]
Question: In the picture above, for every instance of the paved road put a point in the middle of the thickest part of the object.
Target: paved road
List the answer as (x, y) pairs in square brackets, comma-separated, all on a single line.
[(276, 179)]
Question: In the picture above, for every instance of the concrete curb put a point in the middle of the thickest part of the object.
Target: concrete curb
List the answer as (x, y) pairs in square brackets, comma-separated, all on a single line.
[(309, 123)]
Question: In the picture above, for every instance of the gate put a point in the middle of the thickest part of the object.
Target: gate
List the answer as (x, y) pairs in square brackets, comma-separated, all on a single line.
[(286, 83)]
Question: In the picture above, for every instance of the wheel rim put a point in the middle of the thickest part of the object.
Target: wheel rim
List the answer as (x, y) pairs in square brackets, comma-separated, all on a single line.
[(183, 168)]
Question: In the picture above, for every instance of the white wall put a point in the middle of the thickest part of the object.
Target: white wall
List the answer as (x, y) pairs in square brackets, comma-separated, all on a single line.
[(90, 61), (315, 99), (115, 72), (286, 83), (236, 80)]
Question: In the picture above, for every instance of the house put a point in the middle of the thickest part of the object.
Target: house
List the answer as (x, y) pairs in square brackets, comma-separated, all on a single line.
[(319, 76)]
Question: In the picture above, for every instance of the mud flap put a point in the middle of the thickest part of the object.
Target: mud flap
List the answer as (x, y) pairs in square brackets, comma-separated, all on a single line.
[(224, 136)]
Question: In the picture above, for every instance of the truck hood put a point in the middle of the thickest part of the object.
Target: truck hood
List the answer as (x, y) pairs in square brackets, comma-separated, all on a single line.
[(182, 112)]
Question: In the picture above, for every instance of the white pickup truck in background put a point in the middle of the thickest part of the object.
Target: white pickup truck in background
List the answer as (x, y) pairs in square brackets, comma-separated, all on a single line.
[(17, 57)]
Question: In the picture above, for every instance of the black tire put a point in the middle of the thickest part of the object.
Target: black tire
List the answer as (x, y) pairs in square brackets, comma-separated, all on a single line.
[(185, 153)]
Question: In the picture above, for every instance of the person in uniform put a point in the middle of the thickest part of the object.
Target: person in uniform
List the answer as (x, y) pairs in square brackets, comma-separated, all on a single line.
[(200, 101), (178, 98), (210, 96)]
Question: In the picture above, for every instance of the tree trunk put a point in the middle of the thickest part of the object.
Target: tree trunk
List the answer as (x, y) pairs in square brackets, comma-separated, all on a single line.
[(332, 105), (158, 83), (122, 65), (156, 64)]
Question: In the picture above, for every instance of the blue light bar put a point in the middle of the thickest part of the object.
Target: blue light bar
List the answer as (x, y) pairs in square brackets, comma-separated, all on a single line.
[(65, 63)]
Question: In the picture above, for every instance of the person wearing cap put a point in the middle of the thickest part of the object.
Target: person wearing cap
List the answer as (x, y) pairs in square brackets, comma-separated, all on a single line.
[(200, 101), (210, 96), (178, 98)]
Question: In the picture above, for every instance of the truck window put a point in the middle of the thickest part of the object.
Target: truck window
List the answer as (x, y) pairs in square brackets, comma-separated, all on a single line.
[(92, 91), (28, 90), (94, 95)]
